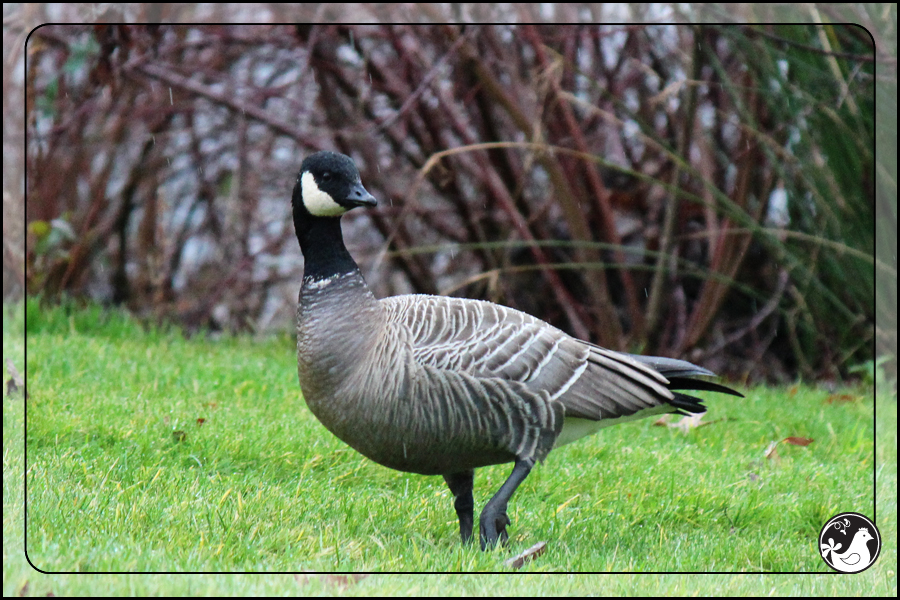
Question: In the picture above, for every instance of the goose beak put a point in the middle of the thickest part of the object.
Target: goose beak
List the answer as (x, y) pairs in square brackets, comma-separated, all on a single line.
[(358, 196)]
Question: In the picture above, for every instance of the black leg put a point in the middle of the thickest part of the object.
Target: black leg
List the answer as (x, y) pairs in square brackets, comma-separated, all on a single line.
[(461, 487), (493, 519)]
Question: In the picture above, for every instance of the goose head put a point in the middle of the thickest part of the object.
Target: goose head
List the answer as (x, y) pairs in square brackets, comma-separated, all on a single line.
[(328, 186)]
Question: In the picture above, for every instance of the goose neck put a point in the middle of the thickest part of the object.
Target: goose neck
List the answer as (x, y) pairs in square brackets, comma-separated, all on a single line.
[(324, 253)]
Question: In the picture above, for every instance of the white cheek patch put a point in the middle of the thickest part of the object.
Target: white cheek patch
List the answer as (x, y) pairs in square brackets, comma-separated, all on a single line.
[(317, 202)]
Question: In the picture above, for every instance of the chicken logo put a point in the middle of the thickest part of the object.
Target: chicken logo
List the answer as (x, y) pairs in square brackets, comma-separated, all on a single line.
[(847, 543)]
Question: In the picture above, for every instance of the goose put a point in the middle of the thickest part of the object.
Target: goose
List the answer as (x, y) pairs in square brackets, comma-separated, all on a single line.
[(442, 386)]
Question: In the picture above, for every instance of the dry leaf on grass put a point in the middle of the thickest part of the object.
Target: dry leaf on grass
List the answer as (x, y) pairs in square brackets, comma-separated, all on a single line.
[(836, 398), (798, 441), (686, 423), (517, 562), (772, 452)]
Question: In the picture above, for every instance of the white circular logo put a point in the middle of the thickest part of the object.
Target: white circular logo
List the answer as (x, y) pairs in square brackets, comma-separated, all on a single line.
[(849, 542)]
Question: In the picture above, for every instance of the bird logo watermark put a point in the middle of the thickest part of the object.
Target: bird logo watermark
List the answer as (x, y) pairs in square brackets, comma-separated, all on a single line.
[(849, 542)]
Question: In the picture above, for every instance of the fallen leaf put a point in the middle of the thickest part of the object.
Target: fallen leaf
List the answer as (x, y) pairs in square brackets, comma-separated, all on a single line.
[(792, 440), (179, 435), (798, 441), (686, 423), (517, 562), (690, 422), (835, 398), (200, 421)]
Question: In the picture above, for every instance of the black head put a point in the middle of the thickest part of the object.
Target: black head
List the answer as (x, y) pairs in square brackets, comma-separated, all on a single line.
[(329, 186)]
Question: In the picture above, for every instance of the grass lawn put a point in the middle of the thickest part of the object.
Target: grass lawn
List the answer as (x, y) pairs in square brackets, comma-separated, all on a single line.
[(149, 452)]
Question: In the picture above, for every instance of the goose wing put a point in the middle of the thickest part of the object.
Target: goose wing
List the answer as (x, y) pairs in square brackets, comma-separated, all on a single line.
[(486, 340)]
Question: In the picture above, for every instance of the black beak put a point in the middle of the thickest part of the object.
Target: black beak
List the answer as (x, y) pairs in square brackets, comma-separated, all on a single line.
[(358, 196)]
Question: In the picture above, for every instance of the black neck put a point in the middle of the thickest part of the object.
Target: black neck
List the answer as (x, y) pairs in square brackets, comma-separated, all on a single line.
[(323, 247)]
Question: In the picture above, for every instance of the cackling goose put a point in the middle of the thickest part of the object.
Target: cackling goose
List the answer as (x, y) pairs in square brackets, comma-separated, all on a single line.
[(442, 386)]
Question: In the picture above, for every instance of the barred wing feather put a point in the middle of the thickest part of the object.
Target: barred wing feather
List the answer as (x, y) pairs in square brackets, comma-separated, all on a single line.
[(486, 340)]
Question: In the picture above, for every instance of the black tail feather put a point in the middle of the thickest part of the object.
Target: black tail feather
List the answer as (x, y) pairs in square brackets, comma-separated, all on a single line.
[(672, 367), (687, 405), (686, 383), (681, 375)]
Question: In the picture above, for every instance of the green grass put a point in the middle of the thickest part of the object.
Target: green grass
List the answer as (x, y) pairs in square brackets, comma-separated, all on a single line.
[(123, 476)]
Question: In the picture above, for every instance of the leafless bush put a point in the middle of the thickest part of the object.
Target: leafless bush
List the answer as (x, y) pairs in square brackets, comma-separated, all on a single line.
[(625, 183)]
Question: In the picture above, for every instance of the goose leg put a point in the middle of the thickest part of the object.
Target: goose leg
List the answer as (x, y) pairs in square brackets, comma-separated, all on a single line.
[(493, 520), (460, 485)]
